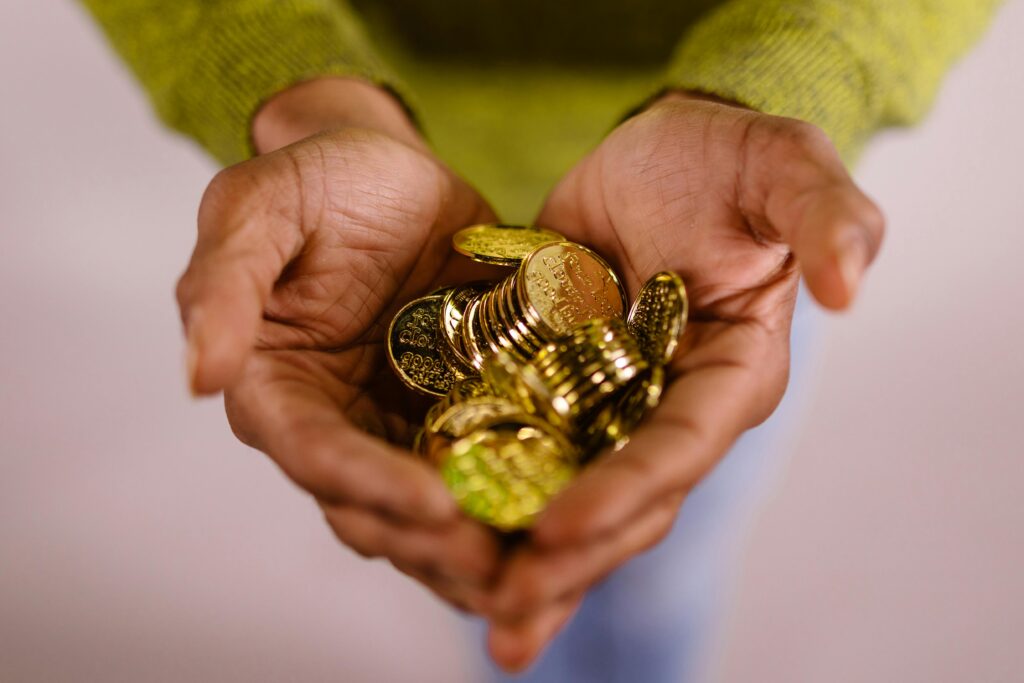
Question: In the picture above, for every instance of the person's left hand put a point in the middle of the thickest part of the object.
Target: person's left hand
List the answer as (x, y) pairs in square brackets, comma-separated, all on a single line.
[(732, 200)]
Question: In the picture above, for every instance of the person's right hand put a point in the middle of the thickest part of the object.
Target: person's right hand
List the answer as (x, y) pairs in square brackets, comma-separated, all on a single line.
[(304, 255)]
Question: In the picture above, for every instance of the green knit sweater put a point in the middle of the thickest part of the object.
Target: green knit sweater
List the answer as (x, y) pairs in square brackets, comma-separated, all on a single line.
[(511, 93)]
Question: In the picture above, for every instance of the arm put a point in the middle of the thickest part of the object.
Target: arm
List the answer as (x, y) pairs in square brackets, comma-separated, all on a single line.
[(850, 67), (209, 65), (742, 203), (302, 252)]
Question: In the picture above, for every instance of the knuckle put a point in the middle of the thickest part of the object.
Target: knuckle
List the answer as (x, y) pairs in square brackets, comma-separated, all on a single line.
[(228, 188), (414, 493), (362, 539), (227, 181), (871, 217), (792, 138), (662, 530), (414, 553), (364, 553), (183, 290), (363, 547), (459, 604), (805, 138), (770, 386), (408, 570), (314, 468), (246, 405), (241, 425)]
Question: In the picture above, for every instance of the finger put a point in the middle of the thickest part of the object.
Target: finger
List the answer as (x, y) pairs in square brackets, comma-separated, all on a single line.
[(281, 408), (464, 596), (536, 577), (514, 646), (796, 187), (241, 250), (725, 388), (463, 550)]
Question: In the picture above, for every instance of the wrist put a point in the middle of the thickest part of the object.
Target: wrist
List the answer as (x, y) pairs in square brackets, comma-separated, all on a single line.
[(330, 103), (692, 95)]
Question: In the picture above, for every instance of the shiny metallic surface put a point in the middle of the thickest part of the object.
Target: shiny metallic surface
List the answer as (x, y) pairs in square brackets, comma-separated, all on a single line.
[(543, 370), (500, 244)]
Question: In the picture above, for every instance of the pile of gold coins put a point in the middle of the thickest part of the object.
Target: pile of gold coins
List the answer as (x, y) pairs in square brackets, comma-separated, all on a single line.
[(535, 373)]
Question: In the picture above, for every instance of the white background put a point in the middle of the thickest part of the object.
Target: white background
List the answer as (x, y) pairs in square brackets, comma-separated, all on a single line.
[(140, 542)]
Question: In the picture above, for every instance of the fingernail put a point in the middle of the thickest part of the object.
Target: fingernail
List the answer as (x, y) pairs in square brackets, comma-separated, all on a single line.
[(853, 259), (191, 353)]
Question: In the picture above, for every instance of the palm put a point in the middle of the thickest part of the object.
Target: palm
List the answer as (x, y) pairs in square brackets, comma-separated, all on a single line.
[(349, 226), (656, 197), (372, 243), (732, 200)]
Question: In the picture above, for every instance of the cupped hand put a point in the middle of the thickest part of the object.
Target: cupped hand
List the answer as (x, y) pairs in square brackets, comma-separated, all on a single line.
[(303, 256), (740, 204)]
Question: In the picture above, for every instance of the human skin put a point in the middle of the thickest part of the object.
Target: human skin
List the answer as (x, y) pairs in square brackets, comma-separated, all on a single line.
[(741, 204), (304, 254)]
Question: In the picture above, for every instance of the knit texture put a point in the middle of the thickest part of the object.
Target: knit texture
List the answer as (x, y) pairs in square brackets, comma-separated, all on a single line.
[(513, 127), (848, 66), (208, 65)]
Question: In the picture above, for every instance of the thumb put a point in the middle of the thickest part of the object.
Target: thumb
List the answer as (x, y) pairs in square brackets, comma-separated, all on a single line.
[(240, 253), (800, 192)]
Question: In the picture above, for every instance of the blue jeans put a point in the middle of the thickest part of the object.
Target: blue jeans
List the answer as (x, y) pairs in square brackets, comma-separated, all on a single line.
[(651, 621)]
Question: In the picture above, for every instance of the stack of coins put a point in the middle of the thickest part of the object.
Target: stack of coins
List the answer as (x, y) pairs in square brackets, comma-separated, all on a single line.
[(537, 372), (555, 287), (569, 379)]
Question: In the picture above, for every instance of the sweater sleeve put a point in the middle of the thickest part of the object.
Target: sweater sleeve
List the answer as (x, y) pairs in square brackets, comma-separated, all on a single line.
[(848, 66), (208, 65)]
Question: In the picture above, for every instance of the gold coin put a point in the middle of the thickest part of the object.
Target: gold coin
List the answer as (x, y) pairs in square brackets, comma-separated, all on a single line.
[(504, 245), (559, 399), (504, 477), (459, 369), (504, 327), (434, 411), (563, 284), (434, 448), (555, 440), (460, 419), (603, 341), (574, 403), (643, 396), (492, 332), (413, 347), (658, 316), (612, 425), (514, 318), (541, 368), (453, 309), (476, 347), (463, 390), (516, 381), (503, 331)]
